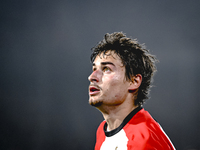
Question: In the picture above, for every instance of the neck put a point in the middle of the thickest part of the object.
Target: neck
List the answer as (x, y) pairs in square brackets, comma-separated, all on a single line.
[(116, 114)]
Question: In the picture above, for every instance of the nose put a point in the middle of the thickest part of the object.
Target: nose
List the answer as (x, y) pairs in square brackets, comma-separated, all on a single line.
[(94, 77)]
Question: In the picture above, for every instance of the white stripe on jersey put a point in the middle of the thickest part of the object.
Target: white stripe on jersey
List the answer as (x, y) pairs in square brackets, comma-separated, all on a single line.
[(166, 136)]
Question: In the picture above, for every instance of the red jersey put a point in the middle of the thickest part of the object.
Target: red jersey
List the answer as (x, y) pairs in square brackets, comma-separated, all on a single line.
[(138, 131)]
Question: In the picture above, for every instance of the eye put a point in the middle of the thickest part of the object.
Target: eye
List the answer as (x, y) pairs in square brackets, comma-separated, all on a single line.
[(93, 69), (106, 69)]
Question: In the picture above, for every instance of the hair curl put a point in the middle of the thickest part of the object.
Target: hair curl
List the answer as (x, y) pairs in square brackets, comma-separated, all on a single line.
[(135, 57)]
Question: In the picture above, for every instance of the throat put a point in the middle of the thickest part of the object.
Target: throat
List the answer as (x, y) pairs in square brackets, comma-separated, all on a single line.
[(113, 124)]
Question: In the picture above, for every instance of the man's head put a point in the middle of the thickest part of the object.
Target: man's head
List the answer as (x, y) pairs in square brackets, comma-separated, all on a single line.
[(135, 59)]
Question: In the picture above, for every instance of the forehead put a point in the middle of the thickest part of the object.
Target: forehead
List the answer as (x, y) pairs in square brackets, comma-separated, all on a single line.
[(109, 56)]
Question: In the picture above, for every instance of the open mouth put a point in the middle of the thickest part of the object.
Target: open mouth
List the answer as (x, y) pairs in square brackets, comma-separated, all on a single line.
[(93, 90)]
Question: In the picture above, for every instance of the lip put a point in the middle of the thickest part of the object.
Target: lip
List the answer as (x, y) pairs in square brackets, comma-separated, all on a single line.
[(93, 90)]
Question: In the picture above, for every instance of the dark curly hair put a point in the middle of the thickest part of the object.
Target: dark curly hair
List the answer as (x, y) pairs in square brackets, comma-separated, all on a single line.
[(135, 57)]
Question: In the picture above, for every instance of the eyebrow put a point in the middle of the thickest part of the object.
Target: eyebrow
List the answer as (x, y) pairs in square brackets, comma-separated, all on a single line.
[(104, 63)]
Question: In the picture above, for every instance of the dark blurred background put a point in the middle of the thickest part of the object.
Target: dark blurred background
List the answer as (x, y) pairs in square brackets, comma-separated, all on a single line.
[(45, 61)]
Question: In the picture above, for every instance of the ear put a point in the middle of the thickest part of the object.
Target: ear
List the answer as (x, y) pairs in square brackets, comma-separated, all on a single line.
[(136, 82)]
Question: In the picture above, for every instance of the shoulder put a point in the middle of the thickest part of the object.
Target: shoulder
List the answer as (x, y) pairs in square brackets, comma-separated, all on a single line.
[(143, 131), (100, 135), (101, 127), (141, 126)]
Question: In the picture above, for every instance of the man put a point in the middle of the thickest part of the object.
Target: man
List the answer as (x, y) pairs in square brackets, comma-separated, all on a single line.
[(119, 84)]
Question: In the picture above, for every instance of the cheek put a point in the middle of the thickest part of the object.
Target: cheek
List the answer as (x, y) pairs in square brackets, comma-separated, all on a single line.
[(110, 81), (114, 83)]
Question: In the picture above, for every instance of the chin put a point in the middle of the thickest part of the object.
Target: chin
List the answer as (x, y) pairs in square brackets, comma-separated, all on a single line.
[(95, 103)]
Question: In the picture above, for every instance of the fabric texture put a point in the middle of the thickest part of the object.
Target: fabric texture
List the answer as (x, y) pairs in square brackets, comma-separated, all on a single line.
[(138, 131)]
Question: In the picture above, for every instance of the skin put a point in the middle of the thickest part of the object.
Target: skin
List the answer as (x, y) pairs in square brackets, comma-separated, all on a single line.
[(114, 95)]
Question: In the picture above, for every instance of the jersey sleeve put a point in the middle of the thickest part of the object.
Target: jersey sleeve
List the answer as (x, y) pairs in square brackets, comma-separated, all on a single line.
[(144, 133), (148, 138)]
